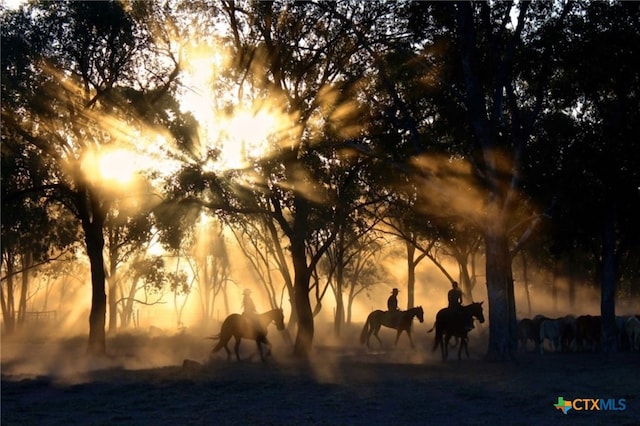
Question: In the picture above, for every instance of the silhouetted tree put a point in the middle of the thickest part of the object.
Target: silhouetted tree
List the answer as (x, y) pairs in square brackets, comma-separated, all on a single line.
[(34, 232), (63, 65), (315, 84), (596, 177), (500, 104)]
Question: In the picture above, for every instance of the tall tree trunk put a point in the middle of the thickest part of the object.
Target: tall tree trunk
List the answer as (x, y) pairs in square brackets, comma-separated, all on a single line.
[(503, 329), (411, 274), (97, 317), (339, 317), (113, 298), (608, 283), (557, 273), (483, 120), (127, 305), (286, 275), (571, 280), (27, 261), (350, 298), (525, 277), (206, 290), (465, 278), (8, 312), (302, 277)]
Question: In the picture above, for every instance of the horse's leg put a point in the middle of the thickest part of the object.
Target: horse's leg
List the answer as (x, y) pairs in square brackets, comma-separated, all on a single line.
[(365, 335), (410, 339), (260, 340), (398, 333), (268, 344), (222, 343), (466, 346), (259, 348), (217, 347), (463, 343), (375, 333), (226, 342), (445, 346), (237, 347), (437, 340)]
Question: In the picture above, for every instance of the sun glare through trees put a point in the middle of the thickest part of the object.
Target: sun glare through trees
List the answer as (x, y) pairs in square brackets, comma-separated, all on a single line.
[(318, 155), (240, 123)]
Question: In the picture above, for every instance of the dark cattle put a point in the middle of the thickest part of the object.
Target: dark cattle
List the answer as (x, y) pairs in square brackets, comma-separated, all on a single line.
[(632, 328), (527, 330), (536, 321), (568, 333), (621, 337), (551, 329), (588, 333)]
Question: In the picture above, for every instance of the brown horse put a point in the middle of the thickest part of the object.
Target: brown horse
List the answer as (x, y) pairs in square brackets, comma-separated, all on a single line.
[(452, 322), (400, 321), (244, 327)]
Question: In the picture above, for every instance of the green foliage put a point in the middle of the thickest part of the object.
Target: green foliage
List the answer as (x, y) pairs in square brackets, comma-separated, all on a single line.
[(152, 273)]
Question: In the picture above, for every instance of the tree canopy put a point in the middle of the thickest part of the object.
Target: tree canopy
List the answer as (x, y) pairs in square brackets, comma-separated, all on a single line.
[(310, 129)]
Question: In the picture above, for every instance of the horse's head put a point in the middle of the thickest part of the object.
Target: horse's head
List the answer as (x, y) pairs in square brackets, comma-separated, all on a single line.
[(278, 318), (476, 311), (419, 313)]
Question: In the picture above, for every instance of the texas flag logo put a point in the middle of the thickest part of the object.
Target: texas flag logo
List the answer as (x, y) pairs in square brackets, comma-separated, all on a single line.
[(563, 405)]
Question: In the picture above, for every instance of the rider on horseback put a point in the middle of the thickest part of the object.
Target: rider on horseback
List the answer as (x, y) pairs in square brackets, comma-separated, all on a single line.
[(392, 301), (455, 302), (392, 306), (455, 296), (249, 310)]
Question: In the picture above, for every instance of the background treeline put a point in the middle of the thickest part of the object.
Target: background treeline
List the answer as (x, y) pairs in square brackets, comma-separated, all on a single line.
[(493, 135)]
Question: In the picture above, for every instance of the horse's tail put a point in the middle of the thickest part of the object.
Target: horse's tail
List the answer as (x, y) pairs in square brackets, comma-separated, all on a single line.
[(434, 326), (365, 330)]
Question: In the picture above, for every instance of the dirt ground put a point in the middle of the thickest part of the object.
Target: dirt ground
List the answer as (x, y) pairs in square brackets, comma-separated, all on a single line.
[(144, 381)]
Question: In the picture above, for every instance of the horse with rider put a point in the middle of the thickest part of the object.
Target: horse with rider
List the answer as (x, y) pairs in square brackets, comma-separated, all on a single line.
[(248, 325), (393, 318), (455, 320)]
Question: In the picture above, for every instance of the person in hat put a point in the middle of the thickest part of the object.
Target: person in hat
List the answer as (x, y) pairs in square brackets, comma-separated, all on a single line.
[(249, 308), (392, 301), (455, 302), (455, 296), (250, 312)]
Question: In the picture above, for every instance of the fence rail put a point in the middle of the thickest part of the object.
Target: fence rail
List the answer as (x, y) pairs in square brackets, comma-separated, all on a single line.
[(40, 317)]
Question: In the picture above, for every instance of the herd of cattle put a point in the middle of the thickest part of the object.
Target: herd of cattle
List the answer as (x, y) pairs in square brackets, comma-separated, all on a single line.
[(575, 334)]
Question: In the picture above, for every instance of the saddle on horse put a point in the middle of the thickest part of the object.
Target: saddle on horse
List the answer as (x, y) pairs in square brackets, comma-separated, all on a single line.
[(457, 316), (393, 318)]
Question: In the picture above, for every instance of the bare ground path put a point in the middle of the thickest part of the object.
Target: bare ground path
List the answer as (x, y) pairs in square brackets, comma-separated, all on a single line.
[(339, 386)]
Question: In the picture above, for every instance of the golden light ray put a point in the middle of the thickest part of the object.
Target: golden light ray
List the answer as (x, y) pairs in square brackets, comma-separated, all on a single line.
[(231, 120), (118, 166), (247, 135), (450, 188), (124, 148)]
